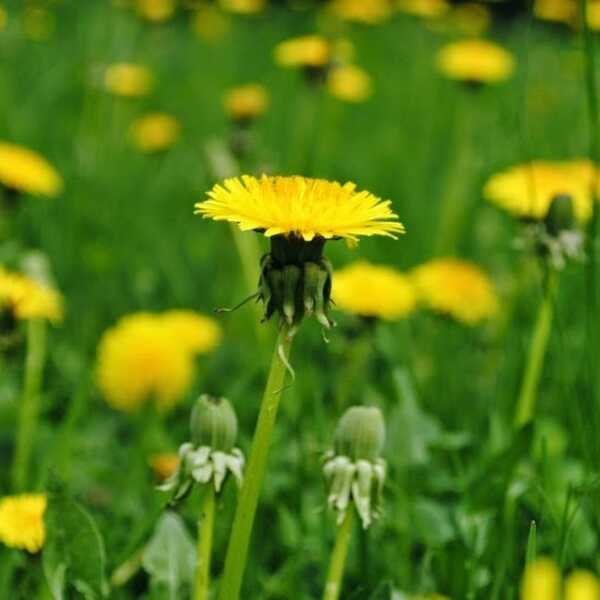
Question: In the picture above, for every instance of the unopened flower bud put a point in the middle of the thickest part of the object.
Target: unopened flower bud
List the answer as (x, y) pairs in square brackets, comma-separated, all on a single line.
[(360, 433), (213, 423), (561, 216)]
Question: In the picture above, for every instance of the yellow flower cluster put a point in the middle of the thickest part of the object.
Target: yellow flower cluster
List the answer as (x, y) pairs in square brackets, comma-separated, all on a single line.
[(22, 521), (300, 206), (128, 80), (373, 291), (475, 61), (28, 299), (304, 51), (456, 288), (149, 357), (246, 102), (154, 132), (370, 12), (527, 190), (349, 83), (24, 170)]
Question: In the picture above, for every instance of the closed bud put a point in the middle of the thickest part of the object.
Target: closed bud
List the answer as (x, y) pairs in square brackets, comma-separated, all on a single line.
[(360, 433), (561, 216), (213, 423)]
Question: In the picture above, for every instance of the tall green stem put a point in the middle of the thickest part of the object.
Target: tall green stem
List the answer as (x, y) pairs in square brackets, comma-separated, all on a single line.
[(537, 351), (237, 550), (206, 523), (337, 563), (30, 401)]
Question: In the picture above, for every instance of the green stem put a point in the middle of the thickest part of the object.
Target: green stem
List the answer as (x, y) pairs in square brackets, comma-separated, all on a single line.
[(30, 401), (338, 557), (537, 351), (237, 550), (205, 537)]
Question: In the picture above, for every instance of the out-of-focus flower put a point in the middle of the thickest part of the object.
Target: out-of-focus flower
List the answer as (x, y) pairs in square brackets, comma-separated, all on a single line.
[(370, 12), (246, 102), (299, 206), (154, 132), (475, 61), (373, 291), (191, 330), (3, 18), (22, 521), (456, 288), (209, 23), (164, 465), (155, 10), (563, 11), (243, 7), (528, 190), (349, 83), (128, 80), (541, 581), (582, 585), (427, 9), (23, 170), (25, 298), (38, 23), (305, 51)]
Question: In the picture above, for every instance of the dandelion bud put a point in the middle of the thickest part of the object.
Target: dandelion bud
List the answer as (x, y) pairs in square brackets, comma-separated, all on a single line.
[(213, 423), (561, 216), (354, 470)]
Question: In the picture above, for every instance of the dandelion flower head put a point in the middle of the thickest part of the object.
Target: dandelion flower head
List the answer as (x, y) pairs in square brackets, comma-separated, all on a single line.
[(155, 10), (349, 83), (154, 132), (243, 7), (246, 102), (191, 330), (370, 12), (128, 80), (304, 51), (541, 581), (582, 585), (22, 521)]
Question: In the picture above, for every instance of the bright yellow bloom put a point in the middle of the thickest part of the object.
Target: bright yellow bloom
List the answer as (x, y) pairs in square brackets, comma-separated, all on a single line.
[(527, 190), (300, 206), (541, 581), (128, 80), (373, 291), (563, 11), (22, 521), (243, 7), (476, 61), (164, 465), (361, 11), (209, 23), (140, 360), (582, 585), (246, 102), (27, 299), (305, 51), (155, 10), (428, 9), (197, 333), (154, 132), (456, 288), (349, 83), (26, 171)]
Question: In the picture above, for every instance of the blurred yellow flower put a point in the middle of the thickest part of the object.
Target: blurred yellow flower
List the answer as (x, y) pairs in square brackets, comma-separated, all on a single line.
[(349, 83), (155, 10), (305, 51), (154, 132), (197, 333), (563, 11), (373, 291), (475, 61), (243, 7), (164, 465), (3, 18), (27, 299), (209, 23), (128, 80), (457, 288), (361, 11), (541, 581), (299, 206), (527, 190), (582, 585), (38, 23), (428, 9), (246, 102), (24, 170), (22, 521)]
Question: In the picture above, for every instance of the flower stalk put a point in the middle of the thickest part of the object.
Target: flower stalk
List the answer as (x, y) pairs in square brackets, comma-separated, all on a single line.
[(206, 523), (339, 554)]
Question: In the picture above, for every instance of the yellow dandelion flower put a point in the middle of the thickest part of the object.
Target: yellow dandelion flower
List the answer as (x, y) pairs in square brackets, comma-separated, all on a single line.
[(427, 9), (370, 12), (164, 465), (246, 102), (24, 170), (349, 83), (154, 132), (24, 298), (305, 51), (139, 360), (209, 23), (155, 10), (197, 333), (243, 7), (22, 521), (456, 288), (527, 190), (561, 11), (582, 585), (541, 581), (299, 206), (128, 80), (475, 61), (373, 291), (593, 15)]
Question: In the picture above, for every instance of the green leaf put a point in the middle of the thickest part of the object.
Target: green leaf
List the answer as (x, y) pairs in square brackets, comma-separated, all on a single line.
[(170, 556), (432, 522), (73, 555)]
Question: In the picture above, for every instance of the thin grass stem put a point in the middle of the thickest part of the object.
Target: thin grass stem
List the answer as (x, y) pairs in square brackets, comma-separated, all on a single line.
[(337, 564)]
